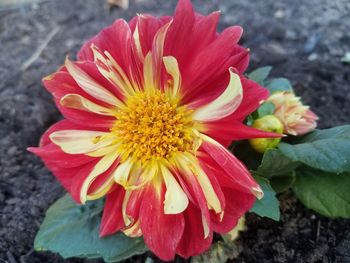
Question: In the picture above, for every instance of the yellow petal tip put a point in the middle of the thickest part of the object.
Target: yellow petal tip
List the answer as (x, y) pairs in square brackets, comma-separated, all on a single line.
[(257, 192)]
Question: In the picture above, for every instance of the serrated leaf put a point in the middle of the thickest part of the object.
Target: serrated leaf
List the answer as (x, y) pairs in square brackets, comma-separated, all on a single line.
[(72, 230), (282, 182), (268, 206), (326, 193), (330, 155), (266, 108), (260, 74), (279, 84), (340, 132), (274, 163)]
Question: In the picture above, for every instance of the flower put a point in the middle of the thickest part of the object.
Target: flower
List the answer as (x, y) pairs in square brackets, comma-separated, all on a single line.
[(150, 107), (268, 123), (297, 119)]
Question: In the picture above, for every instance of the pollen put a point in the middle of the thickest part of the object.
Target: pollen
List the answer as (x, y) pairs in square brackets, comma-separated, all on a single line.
[(153, 126)]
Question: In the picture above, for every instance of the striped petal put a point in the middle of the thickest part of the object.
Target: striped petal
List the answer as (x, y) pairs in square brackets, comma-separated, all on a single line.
[(90, 86), (225, 104), (78, 102), (232, 166), (80, 141), (103, 164), (158, 49), (208, 190), (112, 71)]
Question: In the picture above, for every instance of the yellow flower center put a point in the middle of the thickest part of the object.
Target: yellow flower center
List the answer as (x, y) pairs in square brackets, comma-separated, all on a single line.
[(153, 126)]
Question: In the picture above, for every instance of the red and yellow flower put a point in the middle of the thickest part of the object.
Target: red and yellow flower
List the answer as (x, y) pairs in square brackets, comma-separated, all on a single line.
[(150, 107)]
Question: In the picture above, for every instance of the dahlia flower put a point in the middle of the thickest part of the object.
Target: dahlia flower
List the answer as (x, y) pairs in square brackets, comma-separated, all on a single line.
[(150, 107), (297, 119)]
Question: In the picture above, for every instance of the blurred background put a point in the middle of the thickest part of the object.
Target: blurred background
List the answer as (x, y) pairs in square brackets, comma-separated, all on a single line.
[(306, 41)]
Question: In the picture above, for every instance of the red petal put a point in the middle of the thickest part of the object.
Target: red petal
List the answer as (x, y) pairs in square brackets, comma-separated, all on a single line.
[(101, 179), (192, 242), (253, 95), (134, 203), (148, 27), (236, 172), (72, 179), (208, 63), (193, 190), (115, 39), (61, 84), (237, 204), (118, 41), (176, 43), (53, 154), (161, 232), (229, 129), (59, 126), (112, 218), (87, 119), (70, 169)]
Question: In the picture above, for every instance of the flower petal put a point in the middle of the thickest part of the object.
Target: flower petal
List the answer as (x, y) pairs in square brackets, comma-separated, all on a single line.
[(253, 95), (176, 200), (208, 190), (157, 51), (80, 141), (161, 232), (121, 174), (232, 166), (172, 68), (148, 74), (237, 204), (112, 219), (193, 242), (90, 86), (207, 64), (228, 129), (190, 184), (78, 102), (103, 183), (225, 104), (103, 165), (112, 71)]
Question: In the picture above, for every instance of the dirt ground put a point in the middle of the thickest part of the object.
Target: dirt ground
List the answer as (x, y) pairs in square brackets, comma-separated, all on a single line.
[(303, 40)]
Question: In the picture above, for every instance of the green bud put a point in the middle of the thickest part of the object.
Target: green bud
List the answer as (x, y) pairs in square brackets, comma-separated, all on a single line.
[(268, 123)]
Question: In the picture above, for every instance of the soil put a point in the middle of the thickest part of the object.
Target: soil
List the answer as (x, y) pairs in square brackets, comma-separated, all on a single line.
[(302, 40)]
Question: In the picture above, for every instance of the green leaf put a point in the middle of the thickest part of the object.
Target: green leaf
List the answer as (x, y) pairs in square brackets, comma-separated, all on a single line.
[(72, 230), (275, 163), (249, 120), (330, 155), (326, 193), (281, 183), (266, 108), (268, 206), (260, 74), (279, 84), (340, 132)]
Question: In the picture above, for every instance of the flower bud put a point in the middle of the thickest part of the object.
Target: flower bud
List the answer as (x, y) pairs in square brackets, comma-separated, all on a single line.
[(268, 123), (297, 119)]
